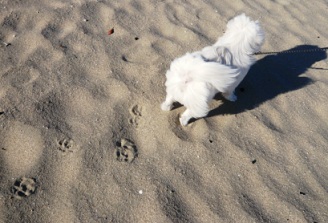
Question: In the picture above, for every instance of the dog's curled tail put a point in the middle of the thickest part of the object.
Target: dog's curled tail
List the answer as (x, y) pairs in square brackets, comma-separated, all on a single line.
[(243, 34)]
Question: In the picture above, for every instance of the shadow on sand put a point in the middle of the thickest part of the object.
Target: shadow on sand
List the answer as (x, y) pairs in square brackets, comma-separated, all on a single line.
[(271, 76)]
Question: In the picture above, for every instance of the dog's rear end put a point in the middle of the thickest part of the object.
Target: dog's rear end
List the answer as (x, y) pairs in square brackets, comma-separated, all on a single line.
[(243, 38)]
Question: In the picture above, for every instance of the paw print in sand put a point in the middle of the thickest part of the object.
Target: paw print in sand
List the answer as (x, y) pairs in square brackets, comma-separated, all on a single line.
[(136, 114), (126, 151), (65, 145), (24, 187)]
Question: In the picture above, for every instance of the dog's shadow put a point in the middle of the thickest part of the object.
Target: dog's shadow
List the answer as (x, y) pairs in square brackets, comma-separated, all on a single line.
[(271, 76)]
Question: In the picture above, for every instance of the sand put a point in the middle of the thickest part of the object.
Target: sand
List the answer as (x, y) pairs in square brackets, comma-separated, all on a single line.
[(83, 139)]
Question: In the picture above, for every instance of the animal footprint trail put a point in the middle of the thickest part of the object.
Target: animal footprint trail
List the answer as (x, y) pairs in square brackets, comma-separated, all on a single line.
[(136, 115), (24, 187), (126, 151)]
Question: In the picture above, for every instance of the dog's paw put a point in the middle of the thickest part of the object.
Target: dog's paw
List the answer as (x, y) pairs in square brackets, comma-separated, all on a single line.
[(166, 107), (230, 97), (184, 120)]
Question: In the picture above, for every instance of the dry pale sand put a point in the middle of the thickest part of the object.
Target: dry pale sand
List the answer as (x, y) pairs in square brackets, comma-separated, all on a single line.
[(83, 139)]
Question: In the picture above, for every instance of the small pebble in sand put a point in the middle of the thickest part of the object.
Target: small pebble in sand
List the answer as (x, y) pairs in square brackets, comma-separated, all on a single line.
[(111, 31), (140, 192)]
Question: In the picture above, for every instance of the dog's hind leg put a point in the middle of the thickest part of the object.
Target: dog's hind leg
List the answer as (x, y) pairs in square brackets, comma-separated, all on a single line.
[(230, 96)]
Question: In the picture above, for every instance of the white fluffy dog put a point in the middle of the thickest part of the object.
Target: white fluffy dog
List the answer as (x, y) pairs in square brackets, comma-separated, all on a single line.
[(195, 78)]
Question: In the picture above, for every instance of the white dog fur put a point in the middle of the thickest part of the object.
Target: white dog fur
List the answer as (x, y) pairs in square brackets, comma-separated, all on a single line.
[(195, 78)]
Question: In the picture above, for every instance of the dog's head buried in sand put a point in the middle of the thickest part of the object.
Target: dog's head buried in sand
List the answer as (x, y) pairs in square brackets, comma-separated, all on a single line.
[(195, 78)]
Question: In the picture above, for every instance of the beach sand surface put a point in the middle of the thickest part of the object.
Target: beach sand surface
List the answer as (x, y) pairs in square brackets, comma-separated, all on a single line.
[(83, 138)]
